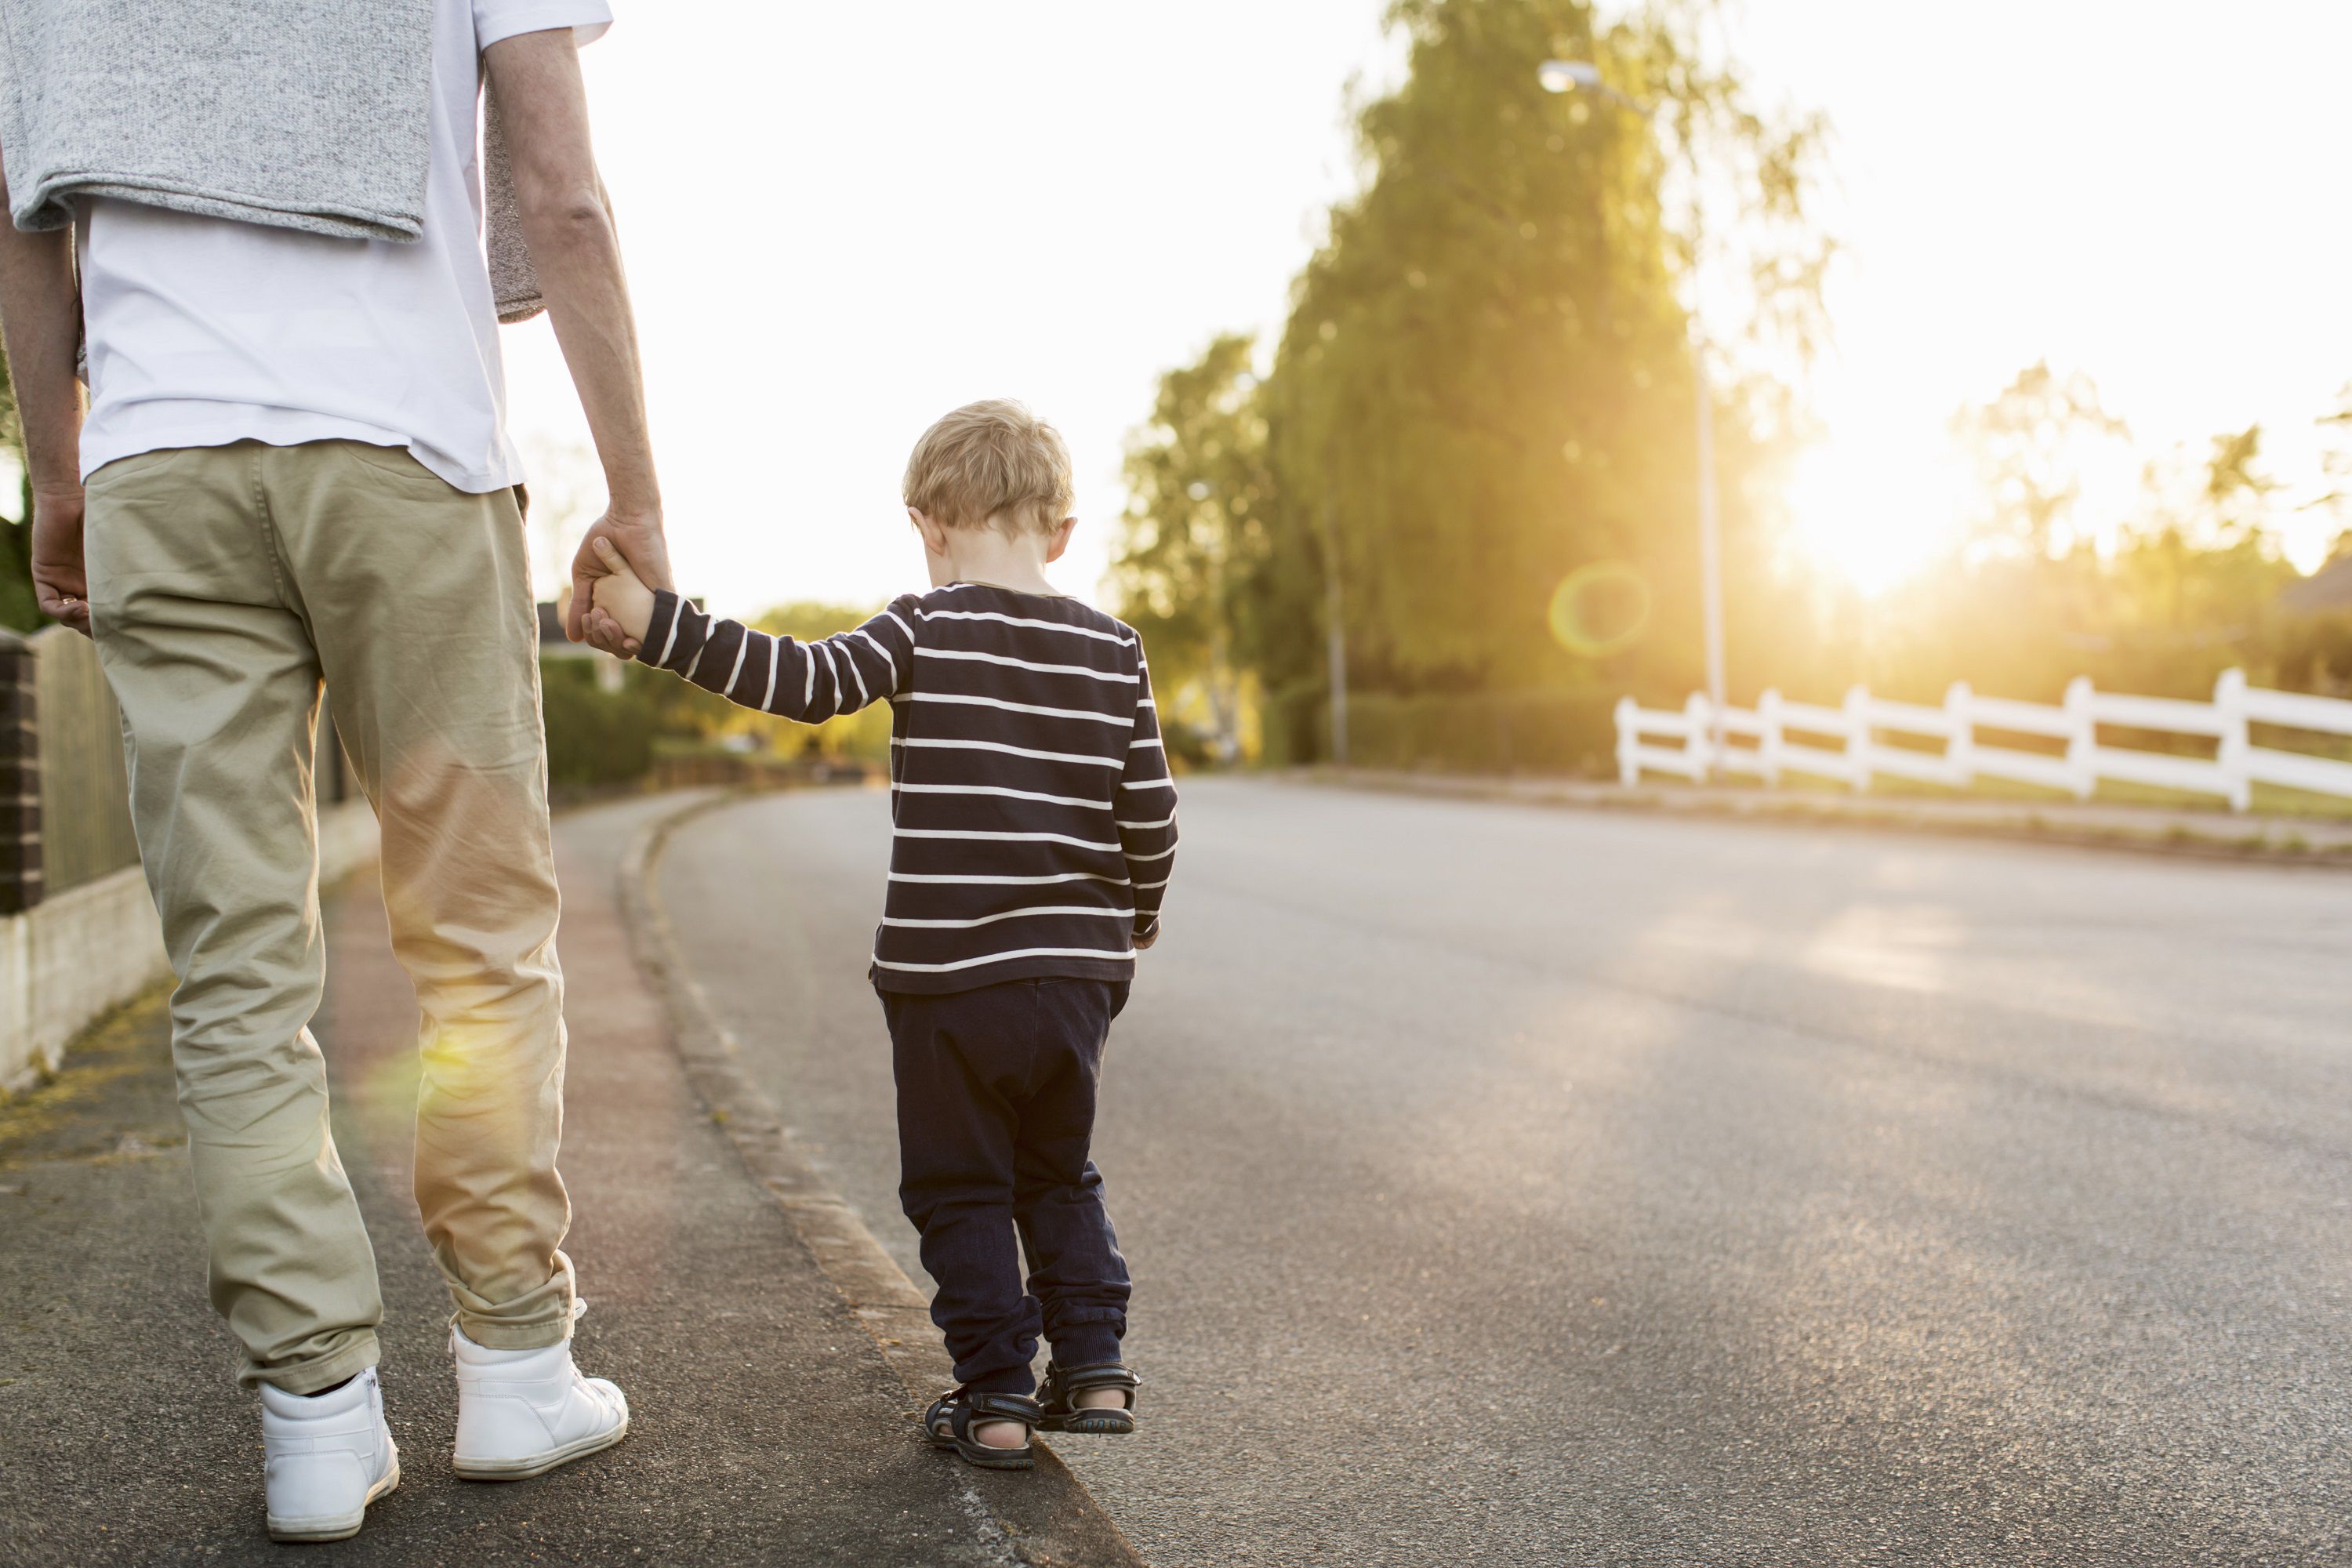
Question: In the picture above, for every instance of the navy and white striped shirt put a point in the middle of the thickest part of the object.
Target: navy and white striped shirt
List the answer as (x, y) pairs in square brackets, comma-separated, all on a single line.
[(1035, 819)]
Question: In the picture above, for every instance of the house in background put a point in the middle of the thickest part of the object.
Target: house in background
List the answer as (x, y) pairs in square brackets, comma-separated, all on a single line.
[(555, 645)]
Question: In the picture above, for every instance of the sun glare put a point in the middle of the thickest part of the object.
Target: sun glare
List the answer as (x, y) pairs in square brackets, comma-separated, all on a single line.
[(1873, 531)]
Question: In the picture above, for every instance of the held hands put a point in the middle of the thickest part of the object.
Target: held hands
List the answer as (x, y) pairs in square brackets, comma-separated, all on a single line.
[(639, 549), (620, 606)]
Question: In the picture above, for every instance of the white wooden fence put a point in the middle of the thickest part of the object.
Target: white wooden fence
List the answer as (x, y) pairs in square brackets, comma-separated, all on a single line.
[(1849, 743)]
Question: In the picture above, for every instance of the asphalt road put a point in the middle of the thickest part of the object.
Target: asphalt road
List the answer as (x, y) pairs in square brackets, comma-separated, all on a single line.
[(1531, 1186)]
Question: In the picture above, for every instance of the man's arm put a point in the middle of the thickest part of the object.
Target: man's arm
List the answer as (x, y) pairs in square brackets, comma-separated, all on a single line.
[(568, 225), (40, 313)]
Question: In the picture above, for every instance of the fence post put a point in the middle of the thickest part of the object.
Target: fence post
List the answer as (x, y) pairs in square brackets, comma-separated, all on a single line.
[(2230, 703), (2083, 744), (1769, 744), (21, 879), (1699, 745), (1857, 737), (1629, 771), (1959, 750)]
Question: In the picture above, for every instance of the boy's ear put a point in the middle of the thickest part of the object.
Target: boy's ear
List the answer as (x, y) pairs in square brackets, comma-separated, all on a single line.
[(935, 538), (1061, 540)]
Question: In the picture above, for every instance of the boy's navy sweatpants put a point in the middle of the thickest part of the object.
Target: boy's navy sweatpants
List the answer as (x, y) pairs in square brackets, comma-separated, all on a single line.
[(996, 1109)]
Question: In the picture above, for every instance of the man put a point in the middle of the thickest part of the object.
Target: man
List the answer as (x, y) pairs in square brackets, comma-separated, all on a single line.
[(297, 471)]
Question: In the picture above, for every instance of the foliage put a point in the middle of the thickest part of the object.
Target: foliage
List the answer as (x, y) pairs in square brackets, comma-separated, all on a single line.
[(863, 736), (1485, 381), (1196, 527), (1487, 732), (2028, 444), (597, 738), (2192, 587)]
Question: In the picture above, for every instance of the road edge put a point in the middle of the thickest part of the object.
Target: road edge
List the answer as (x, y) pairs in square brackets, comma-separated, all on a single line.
[(1050, 1517), (2027, 824)]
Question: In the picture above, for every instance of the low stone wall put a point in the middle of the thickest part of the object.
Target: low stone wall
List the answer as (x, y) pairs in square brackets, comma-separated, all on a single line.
[(81, 954)]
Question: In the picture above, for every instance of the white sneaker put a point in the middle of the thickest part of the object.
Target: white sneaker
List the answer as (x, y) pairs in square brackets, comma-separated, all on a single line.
[(523, 1413), (326, 1457)]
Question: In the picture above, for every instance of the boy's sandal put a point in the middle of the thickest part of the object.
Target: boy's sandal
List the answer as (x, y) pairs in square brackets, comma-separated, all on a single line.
[(950, 1421), (1058, 1397)]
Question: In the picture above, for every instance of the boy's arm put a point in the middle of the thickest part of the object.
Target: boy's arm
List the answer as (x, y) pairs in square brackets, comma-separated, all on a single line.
[(1145, 807), (807, 681)]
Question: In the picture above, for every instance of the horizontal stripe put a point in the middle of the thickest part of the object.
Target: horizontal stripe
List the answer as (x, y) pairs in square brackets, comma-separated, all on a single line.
[(1149, 784), (982, 837), (1089, 910), (1006, 958), (1142, 859), (1002, 790), (1023, 621), (1149, 743), (1169, 821), (1124, 721), (973, 656), (1008, 751), (1005, 881)]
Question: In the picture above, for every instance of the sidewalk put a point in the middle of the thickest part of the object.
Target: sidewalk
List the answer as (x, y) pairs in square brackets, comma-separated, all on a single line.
[(2309, 840), (766, 1424)]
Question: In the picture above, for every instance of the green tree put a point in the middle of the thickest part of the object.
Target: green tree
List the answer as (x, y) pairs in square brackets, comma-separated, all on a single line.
[(864, 736), (1196, 530), (1485, 382)]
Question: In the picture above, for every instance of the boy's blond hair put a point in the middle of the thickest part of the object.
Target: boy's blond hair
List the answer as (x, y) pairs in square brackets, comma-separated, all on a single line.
[(992, 464)]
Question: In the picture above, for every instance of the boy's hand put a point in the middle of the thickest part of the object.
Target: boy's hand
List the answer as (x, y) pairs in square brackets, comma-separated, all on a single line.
[(1144, 939), (622, 606)]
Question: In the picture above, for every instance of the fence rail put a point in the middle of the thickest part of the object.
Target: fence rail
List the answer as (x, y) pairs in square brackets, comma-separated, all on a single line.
[(1947, 749)]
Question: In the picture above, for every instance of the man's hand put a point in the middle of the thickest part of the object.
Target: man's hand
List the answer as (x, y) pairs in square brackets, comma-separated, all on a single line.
[(616, 622), (641, 549), (59, 585)]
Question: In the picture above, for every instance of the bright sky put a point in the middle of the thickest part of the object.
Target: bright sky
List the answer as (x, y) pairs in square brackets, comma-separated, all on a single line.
[(841, 223)]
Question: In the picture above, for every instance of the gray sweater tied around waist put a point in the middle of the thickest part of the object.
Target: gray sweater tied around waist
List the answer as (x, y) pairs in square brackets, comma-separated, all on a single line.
[(304, 114)]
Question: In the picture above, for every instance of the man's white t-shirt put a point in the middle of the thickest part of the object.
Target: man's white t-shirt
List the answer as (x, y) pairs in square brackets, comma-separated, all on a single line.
[(205, 330)]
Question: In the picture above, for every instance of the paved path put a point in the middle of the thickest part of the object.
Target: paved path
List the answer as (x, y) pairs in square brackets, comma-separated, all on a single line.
[(766, 1426), (1526, 1185)]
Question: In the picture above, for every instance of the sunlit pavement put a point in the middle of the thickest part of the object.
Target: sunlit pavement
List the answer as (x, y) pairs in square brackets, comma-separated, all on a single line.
[(1535, 1186), (765, 1426)]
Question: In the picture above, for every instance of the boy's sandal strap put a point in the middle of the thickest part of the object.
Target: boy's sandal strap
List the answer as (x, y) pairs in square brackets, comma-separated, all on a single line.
[(989, 1406), (1064, 1383)]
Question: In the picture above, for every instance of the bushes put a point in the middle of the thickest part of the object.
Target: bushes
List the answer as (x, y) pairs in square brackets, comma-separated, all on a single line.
[(596, 738), (1505, 731)]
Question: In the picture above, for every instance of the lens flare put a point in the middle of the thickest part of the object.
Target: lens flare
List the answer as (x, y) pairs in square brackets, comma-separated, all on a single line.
[(1600, 609)]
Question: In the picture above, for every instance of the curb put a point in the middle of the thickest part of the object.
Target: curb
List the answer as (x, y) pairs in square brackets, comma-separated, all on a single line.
[(1051, 1518), (2025, 825)]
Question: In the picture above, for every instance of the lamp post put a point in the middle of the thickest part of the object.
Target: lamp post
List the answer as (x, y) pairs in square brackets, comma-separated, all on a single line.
[(1582, 76)]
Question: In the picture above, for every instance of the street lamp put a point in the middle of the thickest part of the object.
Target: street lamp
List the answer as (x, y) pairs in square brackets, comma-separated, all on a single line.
[(1583, 76)]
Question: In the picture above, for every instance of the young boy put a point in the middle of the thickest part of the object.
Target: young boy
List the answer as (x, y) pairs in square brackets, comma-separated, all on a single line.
[(1035, 827)]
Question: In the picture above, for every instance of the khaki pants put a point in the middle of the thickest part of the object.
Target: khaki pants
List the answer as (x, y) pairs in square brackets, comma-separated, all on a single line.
[(225, 584)]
